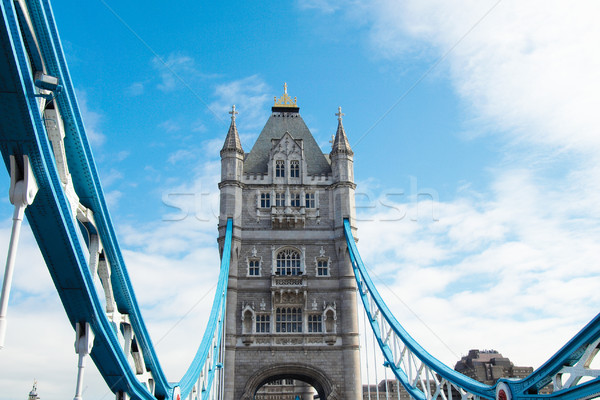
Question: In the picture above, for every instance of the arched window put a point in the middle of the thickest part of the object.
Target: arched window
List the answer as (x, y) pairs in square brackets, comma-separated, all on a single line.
[(288, 320), (288, 262)]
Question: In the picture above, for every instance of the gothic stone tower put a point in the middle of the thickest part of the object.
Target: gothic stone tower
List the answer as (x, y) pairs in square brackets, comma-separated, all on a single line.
[(291, 306)]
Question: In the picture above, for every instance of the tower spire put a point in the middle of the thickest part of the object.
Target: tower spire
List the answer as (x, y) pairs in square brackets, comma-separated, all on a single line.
[(232, 140), (340, 142)]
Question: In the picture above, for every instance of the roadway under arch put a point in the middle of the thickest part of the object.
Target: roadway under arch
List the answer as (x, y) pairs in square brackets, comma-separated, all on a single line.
[(306, 373)]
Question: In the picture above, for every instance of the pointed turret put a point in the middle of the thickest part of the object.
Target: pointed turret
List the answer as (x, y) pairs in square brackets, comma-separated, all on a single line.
[(232, 164), (340, 143), (33, 394), (342, 166), (232, 140)]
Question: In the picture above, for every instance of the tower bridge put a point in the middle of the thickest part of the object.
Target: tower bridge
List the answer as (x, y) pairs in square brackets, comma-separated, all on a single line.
[(285, 307), (291, 307)]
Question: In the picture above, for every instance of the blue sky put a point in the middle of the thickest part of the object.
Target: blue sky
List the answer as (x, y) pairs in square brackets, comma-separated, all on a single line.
[(475, 132)]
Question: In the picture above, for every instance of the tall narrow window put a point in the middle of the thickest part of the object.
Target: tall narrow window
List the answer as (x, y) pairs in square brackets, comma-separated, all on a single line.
[(315, 323), (295, 200), (254, 267), (295, 169), (280, 199), (279, 168), (265, 200), (263, 323), (310, 200), (288, 263), (288, 320)]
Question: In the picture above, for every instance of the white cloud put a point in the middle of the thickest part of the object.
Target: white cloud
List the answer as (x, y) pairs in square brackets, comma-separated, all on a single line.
[(514, 265), (250, 96), (122, 155), (91, 120), (171, 70), (112, 177), (182, 155), (177, 70), (490, 270), (524, 70), (169, 126), (113, 197), (135, 89)]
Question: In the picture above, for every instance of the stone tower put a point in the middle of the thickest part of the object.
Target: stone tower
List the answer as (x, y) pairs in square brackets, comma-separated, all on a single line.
[(291, 306)]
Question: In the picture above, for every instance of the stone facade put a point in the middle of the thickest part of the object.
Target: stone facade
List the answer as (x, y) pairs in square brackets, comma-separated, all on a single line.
[(291, 306)]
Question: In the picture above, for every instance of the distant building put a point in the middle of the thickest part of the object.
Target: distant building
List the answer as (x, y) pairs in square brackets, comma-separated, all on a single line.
[(33, 394), (385, 390), (487, 366)]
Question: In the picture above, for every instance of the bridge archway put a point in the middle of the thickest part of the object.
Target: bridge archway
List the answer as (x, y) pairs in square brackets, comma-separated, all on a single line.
[(311, 375)]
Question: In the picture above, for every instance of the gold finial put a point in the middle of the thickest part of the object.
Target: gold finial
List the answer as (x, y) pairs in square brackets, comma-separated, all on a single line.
[(340, 114), (233, 112), (285, 100)]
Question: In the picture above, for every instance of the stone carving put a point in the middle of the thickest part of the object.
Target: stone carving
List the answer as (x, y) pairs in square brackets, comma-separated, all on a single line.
[(288, 341)]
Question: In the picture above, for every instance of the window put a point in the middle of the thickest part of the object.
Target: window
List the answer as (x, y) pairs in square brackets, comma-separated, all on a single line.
[(254, 267), (279, 169), (280, 199), (295, 200), (294, 169), (263, 323), (288, 263), (310, 200), (265, 200), (288, 320), (323, 267), (315, 323)]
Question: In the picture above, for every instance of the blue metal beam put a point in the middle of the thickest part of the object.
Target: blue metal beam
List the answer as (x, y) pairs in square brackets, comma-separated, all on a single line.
[(22, 131)]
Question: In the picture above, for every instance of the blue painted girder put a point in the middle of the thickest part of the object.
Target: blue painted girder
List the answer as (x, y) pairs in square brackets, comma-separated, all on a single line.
[(22, 132)]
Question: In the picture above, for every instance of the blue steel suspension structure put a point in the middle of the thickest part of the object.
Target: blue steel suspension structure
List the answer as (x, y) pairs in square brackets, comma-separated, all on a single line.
[(425, 377), (54, 179), (42, 131)]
